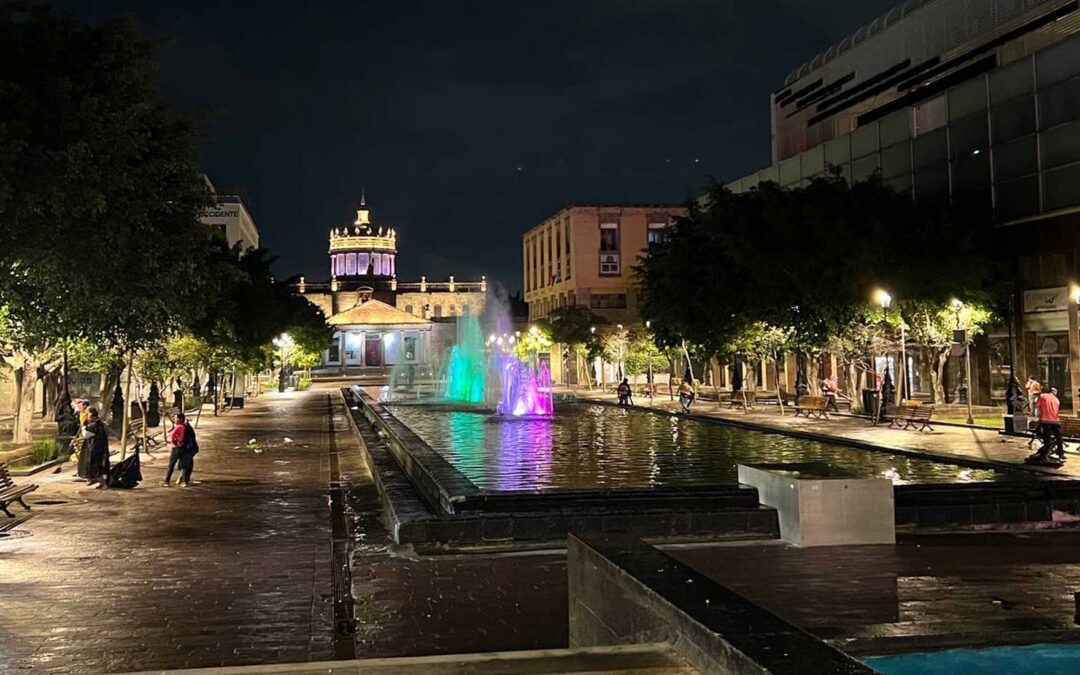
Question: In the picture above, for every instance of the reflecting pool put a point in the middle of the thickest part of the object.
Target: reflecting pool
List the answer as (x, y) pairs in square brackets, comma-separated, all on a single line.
[(590, 446), (1042, 659)]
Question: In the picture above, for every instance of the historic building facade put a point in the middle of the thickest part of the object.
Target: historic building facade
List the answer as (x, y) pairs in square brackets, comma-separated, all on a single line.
[(584, 255), (379, 321)]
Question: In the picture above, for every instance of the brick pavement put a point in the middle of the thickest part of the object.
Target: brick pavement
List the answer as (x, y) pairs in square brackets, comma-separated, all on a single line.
[(944, 441), (232, 570), (237, 569)]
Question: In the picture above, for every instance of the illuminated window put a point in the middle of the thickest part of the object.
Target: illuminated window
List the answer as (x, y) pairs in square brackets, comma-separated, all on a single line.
[(350, 263), (362, 263)]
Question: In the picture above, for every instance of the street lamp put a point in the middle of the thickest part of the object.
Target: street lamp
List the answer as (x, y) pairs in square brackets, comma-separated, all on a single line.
[(284, 342), (958, 306), (882, 297)]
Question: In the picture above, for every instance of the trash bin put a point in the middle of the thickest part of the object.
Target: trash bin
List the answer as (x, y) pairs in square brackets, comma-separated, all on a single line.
[(869, 401)]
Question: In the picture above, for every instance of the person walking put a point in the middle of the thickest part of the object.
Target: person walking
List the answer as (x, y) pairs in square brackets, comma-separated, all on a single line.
[(182, 451)]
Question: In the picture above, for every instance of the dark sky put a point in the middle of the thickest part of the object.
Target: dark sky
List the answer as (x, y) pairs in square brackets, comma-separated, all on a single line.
[(469, 122)]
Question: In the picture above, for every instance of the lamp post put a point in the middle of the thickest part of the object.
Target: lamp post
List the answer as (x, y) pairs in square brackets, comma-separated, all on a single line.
[(283, 343), (958, 305), (882, 297)]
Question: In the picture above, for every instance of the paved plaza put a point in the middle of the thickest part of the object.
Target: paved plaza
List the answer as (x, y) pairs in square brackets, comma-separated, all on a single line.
[(237, 569)]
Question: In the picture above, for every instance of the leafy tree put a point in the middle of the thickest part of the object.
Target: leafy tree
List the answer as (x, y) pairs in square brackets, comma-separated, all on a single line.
[(576, 326), (931, 326), (803, 259), (642, 352), (100, 196)]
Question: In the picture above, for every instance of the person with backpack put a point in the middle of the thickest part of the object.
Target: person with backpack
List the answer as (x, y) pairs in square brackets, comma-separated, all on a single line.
[(183, 450)]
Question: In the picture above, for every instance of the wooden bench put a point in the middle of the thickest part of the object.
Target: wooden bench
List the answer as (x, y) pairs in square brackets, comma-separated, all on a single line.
[(10, 492), (743, 399), (812, 406), (912, 414)]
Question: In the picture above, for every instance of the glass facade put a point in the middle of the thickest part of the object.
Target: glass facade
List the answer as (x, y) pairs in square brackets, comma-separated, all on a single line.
[(1006, 140)]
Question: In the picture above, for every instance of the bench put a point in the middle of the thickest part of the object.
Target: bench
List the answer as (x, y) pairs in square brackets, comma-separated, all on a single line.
[(912, 414), (10, 492), (812, 406), (743, 399)]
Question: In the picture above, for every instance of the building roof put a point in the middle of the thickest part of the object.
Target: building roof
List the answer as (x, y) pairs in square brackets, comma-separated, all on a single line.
[(374, 313)]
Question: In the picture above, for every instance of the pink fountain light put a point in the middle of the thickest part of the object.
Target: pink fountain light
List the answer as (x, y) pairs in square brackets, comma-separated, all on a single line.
[(526, 390)]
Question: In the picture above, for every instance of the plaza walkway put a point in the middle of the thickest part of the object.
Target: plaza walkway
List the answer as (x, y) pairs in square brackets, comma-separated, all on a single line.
[(945, 441), (237, 570)]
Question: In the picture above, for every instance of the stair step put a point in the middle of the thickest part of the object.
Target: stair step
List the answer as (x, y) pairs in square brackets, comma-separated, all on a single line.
[(647, 659)]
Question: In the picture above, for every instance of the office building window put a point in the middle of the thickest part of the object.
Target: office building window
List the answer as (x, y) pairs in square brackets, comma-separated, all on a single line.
[(929, 115), (655, 234), (1013, 120), (1015, 159), (1060, 103), (609, 237), (608, 300)]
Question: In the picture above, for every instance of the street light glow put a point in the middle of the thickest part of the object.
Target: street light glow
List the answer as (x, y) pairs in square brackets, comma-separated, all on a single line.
[(882, 297), (957, 303), (1074, 293)]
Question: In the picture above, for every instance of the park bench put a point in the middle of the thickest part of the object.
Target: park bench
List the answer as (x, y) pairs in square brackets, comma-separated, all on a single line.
[(743, 399), (912, 414), (812, 406), (10, 492)]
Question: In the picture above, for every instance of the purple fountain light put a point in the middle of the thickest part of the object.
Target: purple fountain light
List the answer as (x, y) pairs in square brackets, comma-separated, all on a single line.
[(526, 389)]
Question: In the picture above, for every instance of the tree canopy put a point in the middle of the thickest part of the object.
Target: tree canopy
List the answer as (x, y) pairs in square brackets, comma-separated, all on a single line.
[(803, 260)]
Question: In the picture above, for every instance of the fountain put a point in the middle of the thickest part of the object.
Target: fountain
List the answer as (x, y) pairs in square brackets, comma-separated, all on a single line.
[(513, 387)]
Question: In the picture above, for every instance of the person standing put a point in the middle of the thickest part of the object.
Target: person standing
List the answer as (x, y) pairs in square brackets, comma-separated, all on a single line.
[(94, 458), (182, 451), (1033, 389), (1049, 426)]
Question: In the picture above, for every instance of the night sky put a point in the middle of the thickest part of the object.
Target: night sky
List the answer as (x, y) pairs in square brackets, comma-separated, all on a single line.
[(469, 122)]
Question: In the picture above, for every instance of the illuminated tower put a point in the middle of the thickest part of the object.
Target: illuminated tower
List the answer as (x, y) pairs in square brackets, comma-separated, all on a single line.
[(360, 252)]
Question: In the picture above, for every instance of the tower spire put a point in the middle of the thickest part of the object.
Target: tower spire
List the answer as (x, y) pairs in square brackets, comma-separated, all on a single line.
[(363, 197)]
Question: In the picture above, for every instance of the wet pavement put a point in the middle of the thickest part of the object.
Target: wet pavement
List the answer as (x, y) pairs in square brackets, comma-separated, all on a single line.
[(949, 589), (237, 569), (953, 442)]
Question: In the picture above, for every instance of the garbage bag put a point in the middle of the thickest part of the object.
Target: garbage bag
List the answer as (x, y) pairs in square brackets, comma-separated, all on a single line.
[(126, 474)]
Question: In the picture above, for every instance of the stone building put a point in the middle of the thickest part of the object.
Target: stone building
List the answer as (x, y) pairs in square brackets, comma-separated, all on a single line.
[(584, 255), (379, 321)]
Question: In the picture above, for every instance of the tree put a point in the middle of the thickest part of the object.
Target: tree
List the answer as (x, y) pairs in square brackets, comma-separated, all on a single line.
[(931, 326), (803, 260), (576, 327), (97, 183)]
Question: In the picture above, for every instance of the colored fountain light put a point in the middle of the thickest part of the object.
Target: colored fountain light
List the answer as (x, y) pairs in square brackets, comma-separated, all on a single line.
[(479, 371)]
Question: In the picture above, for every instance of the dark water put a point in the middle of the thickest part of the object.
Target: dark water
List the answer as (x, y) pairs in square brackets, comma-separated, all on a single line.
[(588, 446)]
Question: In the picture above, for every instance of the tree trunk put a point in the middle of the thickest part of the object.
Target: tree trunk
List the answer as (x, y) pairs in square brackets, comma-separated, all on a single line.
[(938, 375), (26, 384), (127, 412)]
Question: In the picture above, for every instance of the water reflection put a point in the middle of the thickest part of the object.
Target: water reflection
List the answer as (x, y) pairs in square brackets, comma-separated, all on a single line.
[(588, 446)]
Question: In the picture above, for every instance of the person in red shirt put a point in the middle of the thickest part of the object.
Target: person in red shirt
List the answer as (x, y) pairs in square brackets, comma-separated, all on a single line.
[(182, 444), (1049, 428)]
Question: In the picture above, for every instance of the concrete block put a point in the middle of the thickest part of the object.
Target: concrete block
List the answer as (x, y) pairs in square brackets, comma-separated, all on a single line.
[(817, 507)]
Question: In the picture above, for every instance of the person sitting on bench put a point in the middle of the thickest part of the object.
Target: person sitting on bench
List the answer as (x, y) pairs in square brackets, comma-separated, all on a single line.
[(686, 396), (829, 389), (1048, 430), (626, 395)]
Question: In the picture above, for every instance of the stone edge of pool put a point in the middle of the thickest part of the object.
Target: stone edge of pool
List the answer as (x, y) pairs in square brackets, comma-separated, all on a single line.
[(444, 506), (414, 505)]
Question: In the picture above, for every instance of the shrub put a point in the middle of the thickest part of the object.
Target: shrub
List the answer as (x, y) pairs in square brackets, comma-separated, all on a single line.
[(303, 384), (44, 450)]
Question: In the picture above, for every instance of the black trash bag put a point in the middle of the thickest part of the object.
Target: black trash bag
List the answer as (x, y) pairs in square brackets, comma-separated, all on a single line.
[(126, 474)]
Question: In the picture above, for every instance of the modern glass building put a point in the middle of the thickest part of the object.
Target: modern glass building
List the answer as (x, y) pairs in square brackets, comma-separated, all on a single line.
[(977, 103)]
